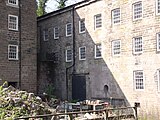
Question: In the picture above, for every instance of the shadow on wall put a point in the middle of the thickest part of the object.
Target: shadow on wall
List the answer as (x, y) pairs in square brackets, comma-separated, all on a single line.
[(100, 82)]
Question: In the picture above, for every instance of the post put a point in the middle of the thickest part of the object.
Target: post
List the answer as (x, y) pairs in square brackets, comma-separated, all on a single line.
[(136, 105), (106, 111), (71, 116)]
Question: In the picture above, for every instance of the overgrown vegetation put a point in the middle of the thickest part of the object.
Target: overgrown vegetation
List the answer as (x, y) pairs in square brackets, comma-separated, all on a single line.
[(15, 103), (50, 91), (61, 3), (41, 5)]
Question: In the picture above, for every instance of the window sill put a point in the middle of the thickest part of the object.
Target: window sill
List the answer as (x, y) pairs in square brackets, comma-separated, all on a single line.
[(13, 59), (12, 5)]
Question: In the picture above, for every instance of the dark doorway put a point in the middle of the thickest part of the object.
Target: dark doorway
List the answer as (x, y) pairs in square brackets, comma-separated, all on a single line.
[(78, 87), (106, 90), (13, 84)]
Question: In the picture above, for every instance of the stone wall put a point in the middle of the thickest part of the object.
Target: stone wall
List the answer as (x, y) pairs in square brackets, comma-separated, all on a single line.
[(24, 75), (116, 72)]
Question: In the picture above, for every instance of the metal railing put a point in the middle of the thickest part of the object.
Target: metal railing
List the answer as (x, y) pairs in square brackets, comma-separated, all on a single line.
[(103, 114)]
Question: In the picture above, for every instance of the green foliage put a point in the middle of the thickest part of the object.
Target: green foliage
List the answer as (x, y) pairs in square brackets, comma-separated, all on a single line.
[(15, 103), (41, 7), (74, 101), (50, 91), (61, 3), (1, 87)]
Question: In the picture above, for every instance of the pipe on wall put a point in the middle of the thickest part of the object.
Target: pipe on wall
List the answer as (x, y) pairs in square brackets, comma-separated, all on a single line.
[(73, 63), (19, 27)]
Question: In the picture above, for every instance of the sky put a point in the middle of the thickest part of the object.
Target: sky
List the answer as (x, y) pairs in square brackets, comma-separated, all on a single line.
[(52, 5)]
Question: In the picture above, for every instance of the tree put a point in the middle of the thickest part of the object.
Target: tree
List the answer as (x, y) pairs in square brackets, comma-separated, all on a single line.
[(41, 7), (61, 3)]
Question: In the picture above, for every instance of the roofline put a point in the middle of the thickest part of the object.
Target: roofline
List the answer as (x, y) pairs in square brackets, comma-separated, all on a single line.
[(60, 10)]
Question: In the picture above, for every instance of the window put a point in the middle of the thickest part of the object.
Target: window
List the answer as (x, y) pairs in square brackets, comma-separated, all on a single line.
[(68, 55), (158, 78), (82, 53), (12, 22), (98, 21), (69, 29), (157, 7), (56, 33), (98, 49), (13, 52), (116, 16), (138, 80), (45, 35), (82, 26), (158, 41), (137, 10), (138, 45), (116, 47), (13, 2)]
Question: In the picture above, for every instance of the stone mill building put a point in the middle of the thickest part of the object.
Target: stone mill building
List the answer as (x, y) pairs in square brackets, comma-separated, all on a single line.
[(103, 49), (18, 51)]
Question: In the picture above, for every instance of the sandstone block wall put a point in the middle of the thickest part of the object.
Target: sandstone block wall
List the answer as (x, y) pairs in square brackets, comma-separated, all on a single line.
[(114, 71)]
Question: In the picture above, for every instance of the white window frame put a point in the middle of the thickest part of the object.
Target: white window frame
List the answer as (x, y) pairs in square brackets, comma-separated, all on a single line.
[(9, 3), (67, 55), (136, 80), (44, 35), (67, 35), (56, 28), (95, 54), (16, 52), (158, 41), (157, 8), (158, 79), (80, 53), (113, 47), (16, 29), (114, 21), (134, 19), (96, 20), (80, 26), (134, 47)]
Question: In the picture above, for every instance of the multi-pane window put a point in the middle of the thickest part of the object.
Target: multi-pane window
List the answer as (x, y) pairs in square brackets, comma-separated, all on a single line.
[(98, 50), (12, 22), (138, 45), (116, 47), (158, 79), (13, 2), (68, 55), (116, 16), (158, 41), (139, 80), (82, 26), (13, 52), (45, 35), (158, 6), (82, 53), (98, 21), (137, 10), (68, 29), (56, 33)]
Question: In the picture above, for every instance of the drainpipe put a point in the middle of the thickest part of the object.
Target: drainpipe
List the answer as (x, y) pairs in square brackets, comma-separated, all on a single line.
[(19, 27), (73, 64)]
